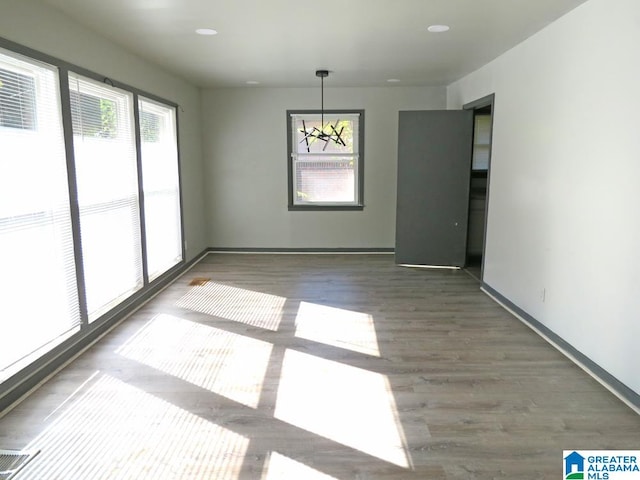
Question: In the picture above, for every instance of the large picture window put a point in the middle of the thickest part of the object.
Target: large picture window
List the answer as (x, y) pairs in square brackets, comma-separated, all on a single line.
[(160, 186), (39, 306), (326, 159), (107, 177), (90, 211)]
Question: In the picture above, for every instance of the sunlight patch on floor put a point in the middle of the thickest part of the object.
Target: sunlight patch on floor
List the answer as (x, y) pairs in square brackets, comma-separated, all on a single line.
[(281, 467), (114, 430), (348, 405), (237, 304), (337, 327), (222, 362)]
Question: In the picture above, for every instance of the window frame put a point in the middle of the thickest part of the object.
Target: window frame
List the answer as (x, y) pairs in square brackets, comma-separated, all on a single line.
[(123, 137), (54, 214), (47, 360), (326, 206), (162, 109)]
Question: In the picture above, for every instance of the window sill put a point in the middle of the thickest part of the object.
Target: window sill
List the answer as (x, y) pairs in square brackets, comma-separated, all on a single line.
[(293, 208)]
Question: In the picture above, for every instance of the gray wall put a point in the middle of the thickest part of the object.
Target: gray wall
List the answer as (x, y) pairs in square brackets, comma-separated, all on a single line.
[(45, 29), (246, 166), (563, 228)]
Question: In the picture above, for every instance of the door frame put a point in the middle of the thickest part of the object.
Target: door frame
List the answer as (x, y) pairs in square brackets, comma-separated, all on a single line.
[(486, 101)]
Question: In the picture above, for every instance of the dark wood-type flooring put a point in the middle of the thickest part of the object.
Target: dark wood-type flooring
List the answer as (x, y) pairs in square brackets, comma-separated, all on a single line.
[(317, 367)]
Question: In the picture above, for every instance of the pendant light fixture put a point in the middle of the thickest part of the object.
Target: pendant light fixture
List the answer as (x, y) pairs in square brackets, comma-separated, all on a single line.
[(329, 133)]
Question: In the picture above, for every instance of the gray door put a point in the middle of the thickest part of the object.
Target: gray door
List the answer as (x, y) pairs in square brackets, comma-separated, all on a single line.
[(434, 165)]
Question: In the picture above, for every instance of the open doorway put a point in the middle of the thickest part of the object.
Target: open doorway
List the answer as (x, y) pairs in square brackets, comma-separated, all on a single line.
[(479, 183)]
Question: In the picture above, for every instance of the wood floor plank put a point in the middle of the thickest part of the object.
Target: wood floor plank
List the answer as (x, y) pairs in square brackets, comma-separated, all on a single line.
[(317, 367)]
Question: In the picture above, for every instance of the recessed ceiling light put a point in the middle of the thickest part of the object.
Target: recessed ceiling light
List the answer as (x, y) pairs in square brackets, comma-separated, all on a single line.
[(393, 80), (438, 28), (252, 82), (206, 31)]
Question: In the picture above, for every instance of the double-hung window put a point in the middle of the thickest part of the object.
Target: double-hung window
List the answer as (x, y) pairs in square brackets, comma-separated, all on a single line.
[(326, 159)]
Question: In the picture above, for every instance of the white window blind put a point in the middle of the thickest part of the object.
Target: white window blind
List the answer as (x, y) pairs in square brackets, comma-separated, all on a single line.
[(39, 298), (106, 170), (325, 172), (161, 186)]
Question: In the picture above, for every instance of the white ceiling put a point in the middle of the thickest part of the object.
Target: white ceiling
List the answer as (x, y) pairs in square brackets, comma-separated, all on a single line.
[(281, 43)]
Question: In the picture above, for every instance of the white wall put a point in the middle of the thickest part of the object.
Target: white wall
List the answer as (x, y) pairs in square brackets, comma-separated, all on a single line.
[(245, 149), (42, 28), (565, 180)]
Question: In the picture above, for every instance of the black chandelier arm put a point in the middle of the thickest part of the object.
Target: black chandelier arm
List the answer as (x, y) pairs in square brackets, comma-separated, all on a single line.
[(306, 137), (338, 138)]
